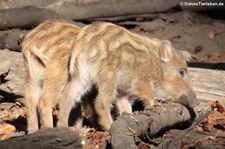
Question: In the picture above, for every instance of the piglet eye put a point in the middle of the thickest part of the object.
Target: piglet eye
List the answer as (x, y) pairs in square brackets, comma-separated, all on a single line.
[(182, 72)]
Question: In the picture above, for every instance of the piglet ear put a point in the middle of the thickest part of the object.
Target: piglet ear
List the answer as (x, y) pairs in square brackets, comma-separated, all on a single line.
[(166, 51)]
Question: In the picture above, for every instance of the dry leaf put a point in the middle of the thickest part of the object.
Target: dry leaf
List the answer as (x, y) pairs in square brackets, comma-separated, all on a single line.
[(218, 107), (94, 138), (4, 127), (215, 122), (211, 34), (4, 136)]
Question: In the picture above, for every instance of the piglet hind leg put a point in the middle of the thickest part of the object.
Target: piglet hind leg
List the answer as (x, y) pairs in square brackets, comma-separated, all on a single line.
[(51, 92), (46, 104), (32, 93)]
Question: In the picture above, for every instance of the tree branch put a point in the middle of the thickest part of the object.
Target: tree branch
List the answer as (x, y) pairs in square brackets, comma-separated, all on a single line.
[(128, 127)]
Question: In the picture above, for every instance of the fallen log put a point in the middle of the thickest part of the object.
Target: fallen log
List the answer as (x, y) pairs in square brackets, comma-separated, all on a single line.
[(108, 8), (48, 138), (175, 142), (208, 84), (11, 75), (25, 17), (11, 39), (25, 14), (129, 128)]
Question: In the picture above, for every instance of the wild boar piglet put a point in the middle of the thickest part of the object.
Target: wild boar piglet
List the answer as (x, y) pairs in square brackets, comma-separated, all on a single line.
[(46, 51), (123, 64)]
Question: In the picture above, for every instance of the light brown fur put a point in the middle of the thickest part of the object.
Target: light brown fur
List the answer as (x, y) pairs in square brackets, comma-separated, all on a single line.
[(123, 64), (46, 51)]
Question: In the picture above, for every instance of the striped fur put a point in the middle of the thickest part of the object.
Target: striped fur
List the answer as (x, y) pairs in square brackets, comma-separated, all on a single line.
[(46, 51), (123, 65)]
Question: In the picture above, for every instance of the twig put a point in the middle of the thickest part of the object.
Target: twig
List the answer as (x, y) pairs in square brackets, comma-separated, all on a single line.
[(209, 134), (194, 124), (126, 17), (175, 142)]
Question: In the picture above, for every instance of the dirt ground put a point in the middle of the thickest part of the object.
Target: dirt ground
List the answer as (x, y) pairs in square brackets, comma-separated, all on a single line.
[(200, 35)]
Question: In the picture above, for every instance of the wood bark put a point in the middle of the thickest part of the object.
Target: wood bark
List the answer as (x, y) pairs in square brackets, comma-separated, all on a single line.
[(25, 17), (11, 75), (48, 138), (129, 128), (176, 141), (11, 39), (209, 85), (23, 13), (94, 8)]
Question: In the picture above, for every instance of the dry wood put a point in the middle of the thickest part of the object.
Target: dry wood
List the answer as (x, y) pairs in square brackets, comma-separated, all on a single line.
[(199, 138), (173, 143), (11, 75), (209, 134), (23, 13), (28, 16), (108, 8), (127, 127), (11, 39), (208, 84), (25, 17), (48, 138)]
